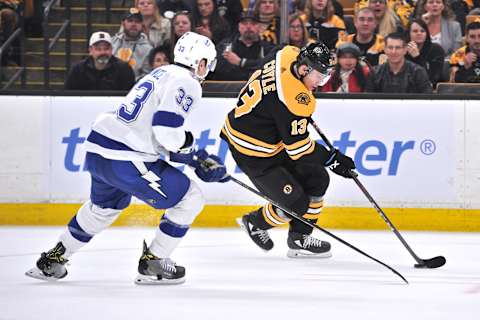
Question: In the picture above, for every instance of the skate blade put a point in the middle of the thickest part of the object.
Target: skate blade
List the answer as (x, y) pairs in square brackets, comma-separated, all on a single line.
[(38, 274), (152, 280), (303, 254)]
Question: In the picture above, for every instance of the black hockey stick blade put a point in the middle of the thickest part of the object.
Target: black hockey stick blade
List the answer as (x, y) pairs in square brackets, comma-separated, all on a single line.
[(433, 263), (299, 218)]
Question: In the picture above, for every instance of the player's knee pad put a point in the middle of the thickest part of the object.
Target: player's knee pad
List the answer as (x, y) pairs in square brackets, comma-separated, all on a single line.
[(90, 220), (185, 211)]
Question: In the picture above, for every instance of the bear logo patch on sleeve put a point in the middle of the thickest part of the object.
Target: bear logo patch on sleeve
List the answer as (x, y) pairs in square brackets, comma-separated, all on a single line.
[(303, 98)]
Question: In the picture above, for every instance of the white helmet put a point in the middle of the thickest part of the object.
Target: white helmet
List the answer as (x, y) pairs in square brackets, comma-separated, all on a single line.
[(192, 48)]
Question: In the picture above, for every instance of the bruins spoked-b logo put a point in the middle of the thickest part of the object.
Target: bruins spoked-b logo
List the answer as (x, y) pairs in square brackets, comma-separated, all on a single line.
[(287, 189), (303, 98)]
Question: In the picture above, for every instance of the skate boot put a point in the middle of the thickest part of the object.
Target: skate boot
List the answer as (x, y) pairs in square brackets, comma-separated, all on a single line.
[(305, 246), (154, 270), (260, 237), (51, 265)]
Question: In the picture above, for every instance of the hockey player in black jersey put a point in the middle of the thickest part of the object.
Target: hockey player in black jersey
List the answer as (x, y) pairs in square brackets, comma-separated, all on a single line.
[(268, 138)]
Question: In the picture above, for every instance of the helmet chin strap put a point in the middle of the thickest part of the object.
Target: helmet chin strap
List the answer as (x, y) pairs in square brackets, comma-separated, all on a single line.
[(198, 77)]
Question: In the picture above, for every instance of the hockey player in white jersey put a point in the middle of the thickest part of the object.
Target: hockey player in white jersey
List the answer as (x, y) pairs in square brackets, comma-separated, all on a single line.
[(123, 158)]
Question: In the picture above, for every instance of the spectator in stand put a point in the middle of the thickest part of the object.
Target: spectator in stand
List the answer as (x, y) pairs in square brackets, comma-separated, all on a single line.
[(297, 32), (296, 6), (350, 73), (423, 52), (156, 27), (442, 26), (131, 45), (208, 22), (398, 75), (182, 22), (100, 70), (371, 44), (387, 19), (9, 18), (230, 10), (322, 23), (268, 13), (169, 7), (465, 61), (159, 56), (402, 8), (240, 55)]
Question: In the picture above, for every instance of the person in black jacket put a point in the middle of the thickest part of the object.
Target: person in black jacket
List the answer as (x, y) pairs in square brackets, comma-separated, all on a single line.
[(100, 70), (465, 61), (398, 75), (423, 52), (239, 56)]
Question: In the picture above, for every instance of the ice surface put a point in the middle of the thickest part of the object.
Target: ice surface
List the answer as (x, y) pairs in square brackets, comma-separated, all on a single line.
[(229, 278)]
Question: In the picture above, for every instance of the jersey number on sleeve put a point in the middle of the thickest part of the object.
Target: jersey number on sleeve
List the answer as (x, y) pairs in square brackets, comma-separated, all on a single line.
[(128, 112), (299, 127), (184, 100), (249, 101)]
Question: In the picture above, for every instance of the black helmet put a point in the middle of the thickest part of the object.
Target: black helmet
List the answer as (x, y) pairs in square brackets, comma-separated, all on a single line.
[(317, 56)]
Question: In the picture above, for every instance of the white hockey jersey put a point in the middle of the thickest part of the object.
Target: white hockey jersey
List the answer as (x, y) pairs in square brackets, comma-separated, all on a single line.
[(150, 120)]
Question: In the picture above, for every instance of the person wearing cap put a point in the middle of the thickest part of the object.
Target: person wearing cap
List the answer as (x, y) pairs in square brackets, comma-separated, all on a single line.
[(131, 44), (240, 55), (350, 73), (100, 70), (398, 75), (267, 134)]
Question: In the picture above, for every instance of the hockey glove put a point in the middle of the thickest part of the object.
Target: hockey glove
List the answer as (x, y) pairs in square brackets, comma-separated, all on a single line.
[(186, 152), (209, 168), (340, 164)]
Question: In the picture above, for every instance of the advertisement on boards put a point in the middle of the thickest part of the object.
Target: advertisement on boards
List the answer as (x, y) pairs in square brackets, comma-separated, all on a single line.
[(407, 153)]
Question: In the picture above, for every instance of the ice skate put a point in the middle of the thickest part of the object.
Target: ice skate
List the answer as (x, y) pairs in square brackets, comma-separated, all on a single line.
[(260, 237), (159, 271), (306, 246), (51, 265)]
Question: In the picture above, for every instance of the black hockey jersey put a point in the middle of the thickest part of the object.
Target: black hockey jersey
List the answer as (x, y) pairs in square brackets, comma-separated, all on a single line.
[(272, 114)]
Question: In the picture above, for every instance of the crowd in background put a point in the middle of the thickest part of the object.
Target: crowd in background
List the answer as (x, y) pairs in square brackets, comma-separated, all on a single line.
[(386, 46)]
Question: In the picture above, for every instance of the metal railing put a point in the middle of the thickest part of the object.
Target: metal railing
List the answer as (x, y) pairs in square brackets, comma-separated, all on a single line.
[(48, 44), (20, 34)]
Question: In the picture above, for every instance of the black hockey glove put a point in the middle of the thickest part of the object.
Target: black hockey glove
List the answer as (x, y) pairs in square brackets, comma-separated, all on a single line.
[(340, 164)]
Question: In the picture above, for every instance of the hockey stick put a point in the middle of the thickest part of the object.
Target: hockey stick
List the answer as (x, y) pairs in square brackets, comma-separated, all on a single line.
[(434, 262), (299, 218)]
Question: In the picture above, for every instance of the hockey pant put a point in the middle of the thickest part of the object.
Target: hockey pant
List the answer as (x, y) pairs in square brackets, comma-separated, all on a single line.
[(156, 183), (301, 192)]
